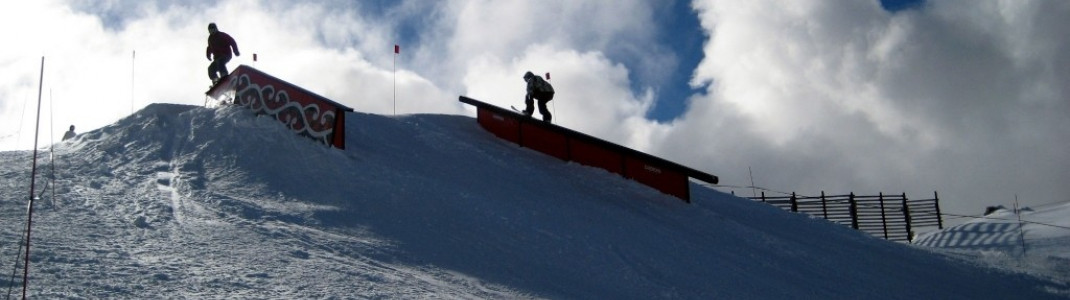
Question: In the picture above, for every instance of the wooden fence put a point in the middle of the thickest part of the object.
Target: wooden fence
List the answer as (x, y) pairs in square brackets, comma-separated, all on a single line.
[(892, 217)]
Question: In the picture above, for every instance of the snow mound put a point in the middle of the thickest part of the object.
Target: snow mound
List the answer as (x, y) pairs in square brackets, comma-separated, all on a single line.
[(1035, 242), (189, 202)]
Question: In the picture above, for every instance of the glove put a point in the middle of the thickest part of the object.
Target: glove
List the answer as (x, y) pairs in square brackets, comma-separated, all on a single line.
[(236, 53)]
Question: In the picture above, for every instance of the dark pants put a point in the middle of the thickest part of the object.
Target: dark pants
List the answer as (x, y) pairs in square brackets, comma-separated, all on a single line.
[(542, 98), (218, 68)]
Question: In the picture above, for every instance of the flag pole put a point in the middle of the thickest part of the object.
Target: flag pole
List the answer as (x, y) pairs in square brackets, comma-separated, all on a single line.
[(133, 56), (52, 149), (397, 50)]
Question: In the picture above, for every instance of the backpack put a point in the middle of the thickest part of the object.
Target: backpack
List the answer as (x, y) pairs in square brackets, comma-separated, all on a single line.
[(543, 90)]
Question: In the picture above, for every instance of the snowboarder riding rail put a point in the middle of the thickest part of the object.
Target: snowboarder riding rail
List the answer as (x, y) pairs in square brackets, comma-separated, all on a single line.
[(538, 89)]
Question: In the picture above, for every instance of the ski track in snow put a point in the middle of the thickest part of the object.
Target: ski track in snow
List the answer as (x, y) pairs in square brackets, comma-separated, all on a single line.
[(186, 202)]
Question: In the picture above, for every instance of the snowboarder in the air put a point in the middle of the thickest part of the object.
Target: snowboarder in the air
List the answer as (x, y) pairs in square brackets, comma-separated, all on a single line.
[(538, 89), (219, 52)]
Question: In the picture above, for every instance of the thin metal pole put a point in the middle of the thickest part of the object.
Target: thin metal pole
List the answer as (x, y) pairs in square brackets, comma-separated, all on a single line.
[(396, 80), (33, 181), (52, 150), (1021, 229), (133, 55), (753, 190)]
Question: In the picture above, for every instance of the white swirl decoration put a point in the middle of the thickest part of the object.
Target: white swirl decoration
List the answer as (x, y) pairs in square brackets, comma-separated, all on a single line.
[(309, 120)]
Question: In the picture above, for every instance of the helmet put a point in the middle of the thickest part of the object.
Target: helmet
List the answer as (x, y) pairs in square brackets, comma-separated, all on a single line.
[(528, 75), (211, 26)]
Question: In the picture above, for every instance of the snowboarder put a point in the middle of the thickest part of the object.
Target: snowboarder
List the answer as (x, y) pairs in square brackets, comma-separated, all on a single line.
[(70, 134), (538, 89), (219, 52)]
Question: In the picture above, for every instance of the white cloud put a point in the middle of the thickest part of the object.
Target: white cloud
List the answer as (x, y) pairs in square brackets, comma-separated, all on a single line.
[(960, 96), (965, 97), (90, 59), (492, 43), (335, 49), (78, 52), (592, 93)]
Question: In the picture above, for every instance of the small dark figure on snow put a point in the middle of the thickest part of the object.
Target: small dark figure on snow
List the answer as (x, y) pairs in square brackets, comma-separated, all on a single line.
[(70, 134), (538, 89), (219, 52)]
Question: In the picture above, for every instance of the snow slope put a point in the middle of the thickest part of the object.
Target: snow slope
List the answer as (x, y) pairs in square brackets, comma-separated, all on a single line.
[(1038, 245), (188, 202)]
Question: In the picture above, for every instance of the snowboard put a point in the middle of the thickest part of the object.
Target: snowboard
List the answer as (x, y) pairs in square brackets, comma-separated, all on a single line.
[(519, 111), (218, 82)]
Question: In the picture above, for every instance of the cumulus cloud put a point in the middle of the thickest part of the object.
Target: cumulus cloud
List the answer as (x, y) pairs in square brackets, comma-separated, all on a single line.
[(508, 28), (494, 42), (965, 97), (341, 49), (32, 31), (592, 93), (106, 59)]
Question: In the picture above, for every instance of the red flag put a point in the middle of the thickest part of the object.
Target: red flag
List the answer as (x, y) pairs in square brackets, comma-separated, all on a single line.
[(397, 49), (547, 75)]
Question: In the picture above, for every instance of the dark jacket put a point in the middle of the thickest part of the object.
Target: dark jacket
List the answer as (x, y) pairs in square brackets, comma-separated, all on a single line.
[(540, 89), (220, 44)]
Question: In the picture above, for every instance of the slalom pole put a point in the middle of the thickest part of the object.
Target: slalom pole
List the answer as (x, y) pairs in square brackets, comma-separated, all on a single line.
[(133, 55), (397, 50), (14, 271), (52, 149), (33, 181), (1021, 226), (753, 190)]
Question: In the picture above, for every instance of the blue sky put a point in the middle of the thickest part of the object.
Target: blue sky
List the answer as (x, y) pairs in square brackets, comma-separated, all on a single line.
[(967, 97), (680, 31), (897, 5), (677, 31)]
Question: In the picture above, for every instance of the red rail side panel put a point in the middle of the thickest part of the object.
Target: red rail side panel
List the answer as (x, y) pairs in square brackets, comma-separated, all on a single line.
[(586, 153), (338, 138), (659, 177), (565, 144), (300, 110), (543, 140), (504, 127)]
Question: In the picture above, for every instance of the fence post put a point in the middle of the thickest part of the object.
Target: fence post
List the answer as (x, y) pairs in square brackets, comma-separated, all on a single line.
[(939, 216), (884, 220), (763, 196), (824, 207), (794, 203), (854, 211), (906, 215)]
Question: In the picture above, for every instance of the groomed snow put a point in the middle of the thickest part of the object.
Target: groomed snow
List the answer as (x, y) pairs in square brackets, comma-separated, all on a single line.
[(1037, 242), (188, 202)]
